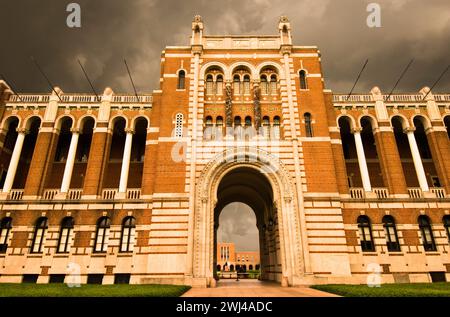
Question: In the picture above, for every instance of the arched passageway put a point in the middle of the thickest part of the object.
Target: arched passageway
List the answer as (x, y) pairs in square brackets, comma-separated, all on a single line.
[(249, 186)]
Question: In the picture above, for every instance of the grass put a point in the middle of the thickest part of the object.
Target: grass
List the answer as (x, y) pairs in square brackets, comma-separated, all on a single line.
[(119, 290), (389, 290)]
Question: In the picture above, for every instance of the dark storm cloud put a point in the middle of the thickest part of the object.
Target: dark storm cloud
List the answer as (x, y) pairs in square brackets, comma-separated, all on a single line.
[(139, 29)]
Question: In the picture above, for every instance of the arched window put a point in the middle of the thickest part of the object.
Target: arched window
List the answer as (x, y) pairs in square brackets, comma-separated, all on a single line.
[(128, 234), (209, 85), (391, 234), (248, 121), (427, 233), (264, 85), (273, 85), (237, 128), (266, 127), (219, 127), (276, 128), (181, 79), (219, 268), (179, 125), (236, 84), (102, 235), (219, 85), (246, 84), (446, 221), (303, 83), (65, 235), (308, 125), (208, 128), (365, 234), (5, 228), (39, 235)]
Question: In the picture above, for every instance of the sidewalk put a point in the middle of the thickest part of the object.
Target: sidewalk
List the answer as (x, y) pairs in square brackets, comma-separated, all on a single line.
[(254, 288)]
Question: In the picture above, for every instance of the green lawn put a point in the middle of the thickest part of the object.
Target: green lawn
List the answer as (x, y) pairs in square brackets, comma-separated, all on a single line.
[(389, 290), (62, 290)]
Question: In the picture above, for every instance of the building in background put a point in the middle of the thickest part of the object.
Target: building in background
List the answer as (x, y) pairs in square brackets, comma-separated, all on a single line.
[(129, 189), (228, 259)]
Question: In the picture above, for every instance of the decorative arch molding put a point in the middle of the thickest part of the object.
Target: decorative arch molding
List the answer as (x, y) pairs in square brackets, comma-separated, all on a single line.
[(403, 119), (205, 67), (372, 119), (59, 120), (27, 121), (277, 66), (141, 116), (7, 120), (253, 72), (351, 120), (113, 120), (424, 119), (284, 198), (81, 121)]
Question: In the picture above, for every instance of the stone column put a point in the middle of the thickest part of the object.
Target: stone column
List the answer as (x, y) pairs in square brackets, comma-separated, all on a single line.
[(362, 160), (125, 164), (68, 169), (190, 258), (14, 162), (417, 160)]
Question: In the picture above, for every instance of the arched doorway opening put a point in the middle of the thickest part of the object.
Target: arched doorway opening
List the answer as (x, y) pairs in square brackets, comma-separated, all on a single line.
[(237, 241), (251, 187)]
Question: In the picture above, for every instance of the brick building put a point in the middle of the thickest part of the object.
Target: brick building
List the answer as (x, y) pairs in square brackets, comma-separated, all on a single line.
[(129, 189), (228, 259)]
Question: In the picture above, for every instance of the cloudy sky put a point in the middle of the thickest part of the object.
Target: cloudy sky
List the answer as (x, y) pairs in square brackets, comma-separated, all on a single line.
[(139, 29), (237, 223)]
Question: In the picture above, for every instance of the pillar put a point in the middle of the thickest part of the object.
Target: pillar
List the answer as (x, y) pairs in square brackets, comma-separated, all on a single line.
[(362, 160), (14, 162), (417, 160), (125, 163), (68, 169)]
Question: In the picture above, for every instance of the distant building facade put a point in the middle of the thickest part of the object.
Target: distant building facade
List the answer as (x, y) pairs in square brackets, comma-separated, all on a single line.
[(129, 189), (228, 259)]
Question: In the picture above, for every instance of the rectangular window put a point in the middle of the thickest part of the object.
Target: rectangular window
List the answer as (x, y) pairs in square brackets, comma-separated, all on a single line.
[(95, 279), (122, 278), (30, 278), (38, 240), (57, 278), (435, 181), (101, 245), (437, 277)]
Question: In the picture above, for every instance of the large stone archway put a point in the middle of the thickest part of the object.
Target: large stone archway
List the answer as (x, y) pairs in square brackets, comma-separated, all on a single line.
[(265, 165)]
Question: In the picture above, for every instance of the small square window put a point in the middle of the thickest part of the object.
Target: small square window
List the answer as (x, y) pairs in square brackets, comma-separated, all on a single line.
[(30, 278), (57, 278), (95, 279), (437, 277), (122, 278)]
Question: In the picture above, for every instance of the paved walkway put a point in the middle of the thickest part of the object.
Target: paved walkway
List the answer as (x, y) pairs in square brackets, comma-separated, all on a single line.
[(254, 288)]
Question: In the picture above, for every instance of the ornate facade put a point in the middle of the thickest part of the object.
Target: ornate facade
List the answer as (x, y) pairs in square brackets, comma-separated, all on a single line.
[(129, 188)]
